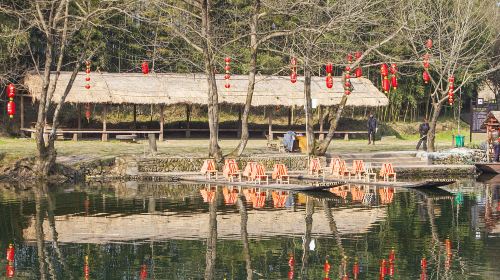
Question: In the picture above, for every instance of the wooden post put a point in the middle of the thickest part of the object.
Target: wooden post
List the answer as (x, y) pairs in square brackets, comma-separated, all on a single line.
[(289, 117), (22, 111), (152, 143), (238, 133), (104, 122), (188, 120), (293, 115), (162, 122), (135, 116), (78, 136), (321, 123), (270, 122)]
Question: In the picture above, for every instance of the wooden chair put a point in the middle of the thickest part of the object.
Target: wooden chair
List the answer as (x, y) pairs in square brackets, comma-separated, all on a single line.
[(370, 173), (315, 167), (249, 170), (209, 168), (230, 195), (259, 199), (280, 174), (386, 195), (387, 171), (333, 169), (343, 171), (259, 174), (358, 169), (231, 170), (279, 198)]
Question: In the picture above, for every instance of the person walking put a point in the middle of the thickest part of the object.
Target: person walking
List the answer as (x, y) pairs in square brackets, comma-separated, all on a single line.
[(372, 129), (423, 129)]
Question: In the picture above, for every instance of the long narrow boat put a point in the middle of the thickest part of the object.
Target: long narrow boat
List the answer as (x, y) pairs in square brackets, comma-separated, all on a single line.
[(488, 167)]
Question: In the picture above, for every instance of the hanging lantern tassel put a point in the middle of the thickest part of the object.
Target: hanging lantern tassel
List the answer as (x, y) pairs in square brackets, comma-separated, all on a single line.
[(293, 74), (394, 79), (329, 79), (451, 89), (87, 76), (227, 76), (145, 68)]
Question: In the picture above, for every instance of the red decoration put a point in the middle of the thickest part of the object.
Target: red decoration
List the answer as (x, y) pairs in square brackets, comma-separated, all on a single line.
[(359, 72), (326, 267), (11, 91), (391, 269), (385, 84), (11, 109), (428, 44), (384, 70), (227, 60), (392, 256), (291, 264), (349, 58), (86, 269), (293, 68), (144, 272), (145, 68), (329, 68), (10, 253), (355, 270), (451, 89), (87, 112), (423, 263), (10, 271), (383, 268), (348, 68), (347, 81), (358, 55), (87, 77), (329, 81), (426, 77), (394, 82)]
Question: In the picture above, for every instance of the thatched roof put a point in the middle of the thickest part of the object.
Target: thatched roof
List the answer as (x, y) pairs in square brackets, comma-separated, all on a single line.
[(126, 88)]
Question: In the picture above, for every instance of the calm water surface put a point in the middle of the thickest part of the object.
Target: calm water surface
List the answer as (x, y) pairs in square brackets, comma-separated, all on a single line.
[(159, 231)]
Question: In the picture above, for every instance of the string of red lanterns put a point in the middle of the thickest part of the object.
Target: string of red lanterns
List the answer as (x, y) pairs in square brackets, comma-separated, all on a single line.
[(87, 72), (11, 106), (293, 68), (425, 74), (359, 71), (329, 78), (394, 79), (347, 76), (291, 264), (10, 270), (451, 89), (227, 76), (384, 71), (145, 67)]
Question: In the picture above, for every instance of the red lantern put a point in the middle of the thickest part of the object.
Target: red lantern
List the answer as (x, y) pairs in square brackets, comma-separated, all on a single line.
[(355, 270), (329, 68), (383, 268), (426, 64), (87, 112), (423, 263), (451, 79), (11, 109), (428, 44), (345, 277), (87, 86), (347, 84), (359, 72), (347, 92), (87, 71), (10, 253), (329, 81), (349, 58), (394, 82), (11, 91), (291, 263), (10, 271), (394, 68), (293, 78), (426, 77), (87, 79), (326, 267), (384, 70), (144, 272), (145, 68), (227, 60), (348, 68), (227, 85), (386, 85)]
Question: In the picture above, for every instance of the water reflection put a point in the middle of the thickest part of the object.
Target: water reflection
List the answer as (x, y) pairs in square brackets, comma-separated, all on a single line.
[(155, 231)]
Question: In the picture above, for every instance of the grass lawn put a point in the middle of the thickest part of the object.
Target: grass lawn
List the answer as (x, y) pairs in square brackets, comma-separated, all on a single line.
[(13, 148)]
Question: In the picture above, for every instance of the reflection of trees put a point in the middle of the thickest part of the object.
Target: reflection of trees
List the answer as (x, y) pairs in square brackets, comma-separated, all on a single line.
[(211, 239), (244, 236), (335, 232), (40, 237), (307, 234)]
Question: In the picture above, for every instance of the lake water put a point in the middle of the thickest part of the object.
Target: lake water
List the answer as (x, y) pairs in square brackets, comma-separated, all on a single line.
[(160, 231)]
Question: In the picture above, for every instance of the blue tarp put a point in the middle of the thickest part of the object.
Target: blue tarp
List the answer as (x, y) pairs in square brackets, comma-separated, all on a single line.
[(289, 140)]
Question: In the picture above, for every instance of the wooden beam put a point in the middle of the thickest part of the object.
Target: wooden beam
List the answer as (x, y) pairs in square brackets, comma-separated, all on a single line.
[(162, 122), (104, 122)]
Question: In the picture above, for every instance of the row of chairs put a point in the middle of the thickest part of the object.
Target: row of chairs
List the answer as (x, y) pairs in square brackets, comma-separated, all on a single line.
[(254, 172), (359, 170)]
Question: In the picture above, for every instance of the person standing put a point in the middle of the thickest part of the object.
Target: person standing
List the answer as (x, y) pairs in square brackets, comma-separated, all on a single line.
[(372, 129), (496, 144), (423, 129)]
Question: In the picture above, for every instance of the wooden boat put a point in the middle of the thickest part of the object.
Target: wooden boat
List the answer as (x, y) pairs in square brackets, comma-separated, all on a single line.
[(489, 167)]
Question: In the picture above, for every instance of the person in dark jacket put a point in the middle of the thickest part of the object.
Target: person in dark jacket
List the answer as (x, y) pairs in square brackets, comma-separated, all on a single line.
[(423, 130), (372, 129)]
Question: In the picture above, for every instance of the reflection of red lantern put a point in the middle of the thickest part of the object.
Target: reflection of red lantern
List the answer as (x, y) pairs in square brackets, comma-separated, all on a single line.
[(326, 267), (145, 68), (426, 77), (355, 270), (392, 255), (10, 271), (423, 263), (391, 268), (10, 253), (86, 269), (383, 268), (293, 68), (291, 264), (11, 109), (144, 272)]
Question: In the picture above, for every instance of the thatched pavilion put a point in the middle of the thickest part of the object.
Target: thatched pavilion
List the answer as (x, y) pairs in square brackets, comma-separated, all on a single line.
[(191, 89)]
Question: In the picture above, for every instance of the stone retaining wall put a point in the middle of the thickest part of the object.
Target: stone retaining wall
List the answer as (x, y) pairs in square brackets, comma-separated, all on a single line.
[(454, 156)]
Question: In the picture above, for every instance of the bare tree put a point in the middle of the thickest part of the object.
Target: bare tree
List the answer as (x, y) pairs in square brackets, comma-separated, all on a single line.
[(462, 32), (60, 23)]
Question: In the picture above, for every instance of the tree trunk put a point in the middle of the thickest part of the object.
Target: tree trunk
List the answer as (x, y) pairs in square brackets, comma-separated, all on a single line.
[(308, 108), (431, 135), (251, 81), (211, 253), (213, 102), (323, 146), (244, 236)]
